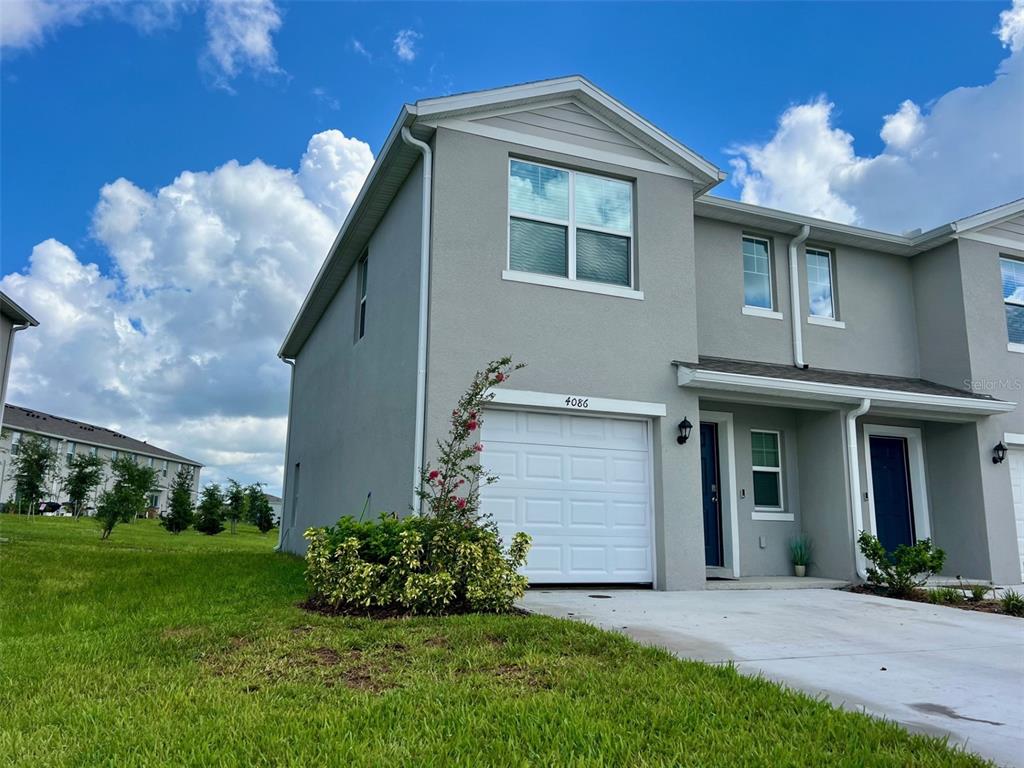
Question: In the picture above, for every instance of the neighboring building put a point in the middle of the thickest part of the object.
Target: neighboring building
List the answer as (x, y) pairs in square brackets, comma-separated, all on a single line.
[(69, 437), (275, 506), (835, 378), (12, 319)]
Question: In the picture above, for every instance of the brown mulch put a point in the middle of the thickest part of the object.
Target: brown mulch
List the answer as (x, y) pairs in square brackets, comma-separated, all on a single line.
[(921, 596)]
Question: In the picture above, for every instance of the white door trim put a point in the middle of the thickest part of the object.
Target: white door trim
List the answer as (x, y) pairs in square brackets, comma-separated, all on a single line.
[(727, 471), (509, 405), (577, 402), (918, 482)]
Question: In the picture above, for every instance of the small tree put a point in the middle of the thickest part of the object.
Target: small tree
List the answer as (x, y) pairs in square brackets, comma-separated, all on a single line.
[(82, 480), (236, 501), (258, 507), (904, 571), (180, 511), (32, 469), (133, 483), (451, 490), (210, 513)]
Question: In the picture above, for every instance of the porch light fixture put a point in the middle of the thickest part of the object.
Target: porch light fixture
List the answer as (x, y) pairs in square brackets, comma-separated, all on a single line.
[(999, 453), (684, 431)]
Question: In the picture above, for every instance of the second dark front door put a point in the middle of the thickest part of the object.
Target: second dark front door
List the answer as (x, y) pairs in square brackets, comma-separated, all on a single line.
[(890, 480), (712, 497)]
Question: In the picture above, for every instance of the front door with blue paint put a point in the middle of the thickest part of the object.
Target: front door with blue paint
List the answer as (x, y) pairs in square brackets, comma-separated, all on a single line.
[(710, 485), (890, 480)]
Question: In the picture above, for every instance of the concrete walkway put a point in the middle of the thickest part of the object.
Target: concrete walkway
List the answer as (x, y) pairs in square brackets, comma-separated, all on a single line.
[(935, 670)]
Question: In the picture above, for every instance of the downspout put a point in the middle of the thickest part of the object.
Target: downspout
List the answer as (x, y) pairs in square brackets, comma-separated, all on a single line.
[(286, 512), (421, 338), (794, 296), (7, 365), (853, 461)]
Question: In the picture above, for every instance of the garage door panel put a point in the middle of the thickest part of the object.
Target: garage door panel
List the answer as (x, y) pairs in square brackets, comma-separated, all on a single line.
[(579, 485)]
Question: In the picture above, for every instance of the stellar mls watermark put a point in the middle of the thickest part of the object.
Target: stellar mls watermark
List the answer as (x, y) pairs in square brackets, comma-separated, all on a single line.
[(994, 385)]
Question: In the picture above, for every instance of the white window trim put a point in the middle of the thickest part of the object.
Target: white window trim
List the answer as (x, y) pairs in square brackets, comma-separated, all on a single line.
[(827, 322), (774, 513), (629, 291), (831, 320), (771, 314), (761, 311), (1012, 347), (728, 493), (918, 483)]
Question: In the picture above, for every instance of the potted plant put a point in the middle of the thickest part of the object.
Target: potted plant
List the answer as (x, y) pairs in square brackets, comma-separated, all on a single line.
[(800, 553)]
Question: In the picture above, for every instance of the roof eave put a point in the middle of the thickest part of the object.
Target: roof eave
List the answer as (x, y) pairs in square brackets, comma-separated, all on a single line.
[(11, 309)]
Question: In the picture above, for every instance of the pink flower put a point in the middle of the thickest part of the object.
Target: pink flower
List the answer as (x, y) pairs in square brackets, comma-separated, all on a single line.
[(433, 474), (461, 503), (499, 376), (471, 425), (478, 447)]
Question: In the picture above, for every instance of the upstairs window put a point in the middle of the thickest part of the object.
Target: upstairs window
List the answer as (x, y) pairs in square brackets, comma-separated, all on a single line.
[(757, 273), (819, 284), (569, 224), (163, 469), (361, 318), (1013, 297), (70, 455), (15, 442), (767, 465)]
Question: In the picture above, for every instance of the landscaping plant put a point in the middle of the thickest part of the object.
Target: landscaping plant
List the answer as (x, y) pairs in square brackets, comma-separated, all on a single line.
[(210, 513), (133, 483), (33, 465), (180, 511), (902, 572), (235, 503), (800, 550), (84, 477), (449, 559), (945, 596), (257, 508), (1012, 603)]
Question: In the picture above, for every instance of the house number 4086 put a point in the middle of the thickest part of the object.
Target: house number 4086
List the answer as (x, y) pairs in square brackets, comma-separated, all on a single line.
[(578, 402)]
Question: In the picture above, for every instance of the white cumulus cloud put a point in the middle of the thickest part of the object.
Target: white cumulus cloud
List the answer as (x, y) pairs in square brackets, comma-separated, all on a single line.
[(960, 154), (176, 342), (405, 44), (240, 36)]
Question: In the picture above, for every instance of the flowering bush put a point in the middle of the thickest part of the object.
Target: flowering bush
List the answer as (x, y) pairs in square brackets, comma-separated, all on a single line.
[(449, 559)]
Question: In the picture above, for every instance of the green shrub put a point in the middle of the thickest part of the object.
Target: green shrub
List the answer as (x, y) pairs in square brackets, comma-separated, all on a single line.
[(902, 572), (1012, 603), (945, 596), (418, 565), (977, 592), (449, 559)]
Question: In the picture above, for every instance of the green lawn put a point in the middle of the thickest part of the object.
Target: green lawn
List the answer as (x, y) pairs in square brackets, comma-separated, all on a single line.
[(151, 649)]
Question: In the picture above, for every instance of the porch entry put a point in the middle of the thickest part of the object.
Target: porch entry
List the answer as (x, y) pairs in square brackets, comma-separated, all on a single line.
[(893, 497), (710, 486)]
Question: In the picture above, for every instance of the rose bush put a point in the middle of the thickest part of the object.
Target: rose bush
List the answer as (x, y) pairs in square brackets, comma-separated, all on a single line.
[(448, 559)]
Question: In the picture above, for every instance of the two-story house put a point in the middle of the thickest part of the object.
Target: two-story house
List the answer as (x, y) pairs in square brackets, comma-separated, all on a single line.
[(69, 438), (706, 379)]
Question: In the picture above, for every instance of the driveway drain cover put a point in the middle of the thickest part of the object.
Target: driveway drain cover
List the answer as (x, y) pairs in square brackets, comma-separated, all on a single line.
[(603, 597)]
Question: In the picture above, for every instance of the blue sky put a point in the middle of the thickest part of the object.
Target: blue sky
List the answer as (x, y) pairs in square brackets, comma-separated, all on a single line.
[(101, 100), (172, 173)]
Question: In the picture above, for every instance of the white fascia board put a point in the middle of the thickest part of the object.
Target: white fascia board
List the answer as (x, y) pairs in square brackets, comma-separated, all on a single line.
[(557, 401), (838, 392), (991, 216)]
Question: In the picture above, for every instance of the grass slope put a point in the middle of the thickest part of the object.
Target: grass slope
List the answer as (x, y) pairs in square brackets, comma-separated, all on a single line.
[(152, 649)]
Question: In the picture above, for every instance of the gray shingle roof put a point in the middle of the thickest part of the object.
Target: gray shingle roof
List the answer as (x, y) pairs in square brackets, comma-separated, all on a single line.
[(826, 376), (28, 420)]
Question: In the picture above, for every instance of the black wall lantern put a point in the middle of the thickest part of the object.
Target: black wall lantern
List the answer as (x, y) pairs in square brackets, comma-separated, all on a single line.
[(684, 430), (999, 453)]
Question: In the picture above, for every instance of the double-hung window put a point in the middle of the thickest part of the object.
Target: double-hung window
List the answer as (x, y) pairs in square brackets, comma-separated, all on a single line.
[(70, 455), (1013, 297), (757, 273), (766, 459), (819, 284), (569, 224), (364, 264)]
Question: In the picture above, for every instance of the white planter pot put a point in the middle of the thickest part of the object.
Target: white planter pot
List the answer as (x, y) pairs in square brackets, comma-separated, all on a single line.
[(799, 570)]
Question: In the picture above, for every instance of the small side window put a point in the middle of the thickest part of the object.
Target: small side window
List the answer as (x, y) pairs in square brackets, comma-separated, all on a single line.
[(361, 317), (757, 273), (819, 284), (766, 462)]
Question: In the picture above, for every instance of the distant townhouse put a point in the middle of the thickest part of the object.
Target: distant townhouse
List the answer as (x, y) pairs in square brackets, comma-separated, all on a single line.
[(70, 438), (12, 319), (835, 379)]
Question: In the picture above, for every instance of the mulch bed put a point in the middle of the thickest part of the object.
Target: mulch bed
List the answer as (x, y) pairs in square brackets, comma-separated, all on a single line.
[(920, 596)]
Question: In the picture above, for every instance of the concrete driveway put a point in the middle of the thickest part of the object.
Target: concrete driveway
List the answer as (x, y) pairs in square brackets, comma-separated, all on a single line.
[(933, 669)]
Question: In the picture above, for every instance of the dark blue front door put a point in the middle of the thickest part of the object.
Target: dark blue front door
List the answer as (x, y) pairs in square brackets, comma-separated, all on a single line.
[(890, 479), (710, 486)]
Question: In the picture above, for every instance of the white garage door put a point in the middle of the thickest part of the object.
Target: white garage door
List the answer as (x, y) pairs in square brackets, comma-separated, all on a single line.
[(580, 486), (1016, 460)]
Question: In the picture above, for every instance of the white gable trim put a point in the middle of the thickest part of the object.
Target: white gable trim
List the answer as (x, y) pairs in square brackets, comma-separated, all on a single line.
[(562, 147)]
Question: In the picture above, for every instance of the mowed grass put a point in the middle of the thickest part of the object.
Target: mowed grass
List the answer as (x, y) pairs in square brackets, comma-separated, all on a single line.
[(151, 649)]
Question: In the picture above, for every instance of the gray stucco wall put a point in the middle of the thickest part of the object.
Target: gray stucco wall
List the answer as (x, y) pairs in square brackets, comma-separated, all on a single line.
[(574, 342), (353, 416), (873, 294)]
